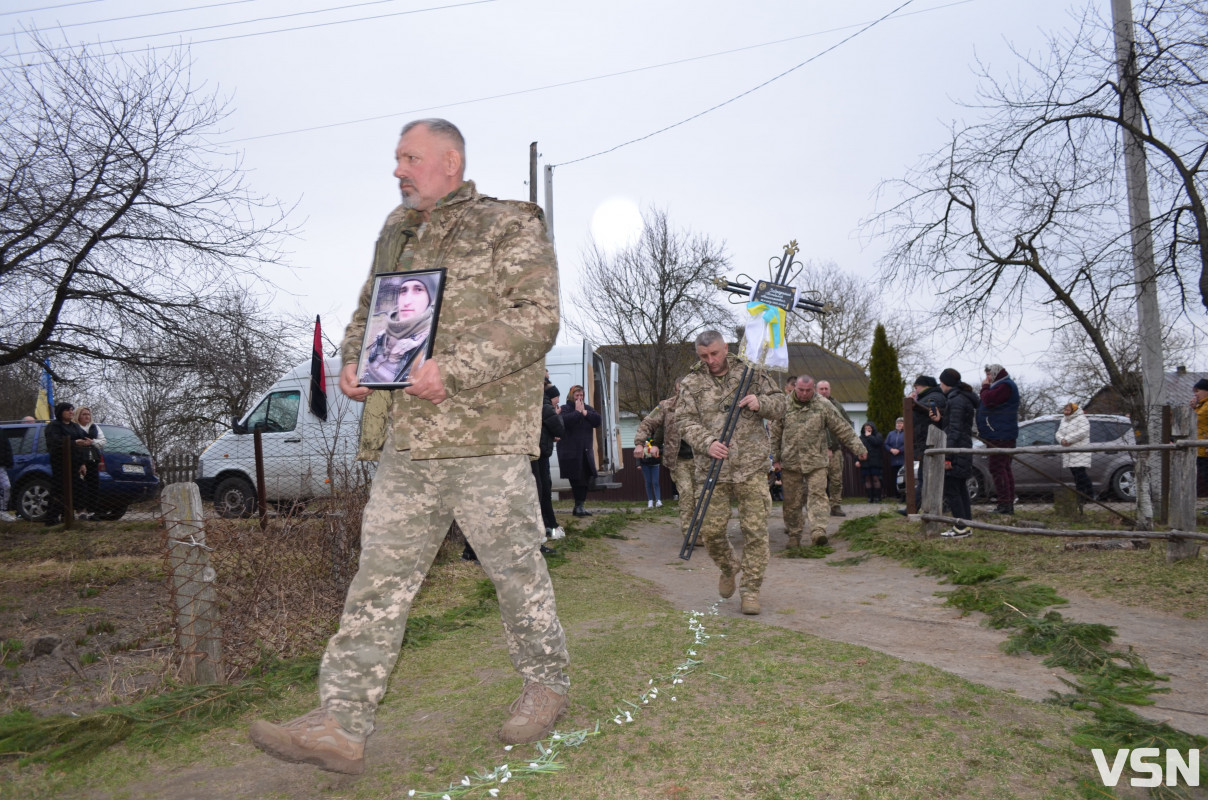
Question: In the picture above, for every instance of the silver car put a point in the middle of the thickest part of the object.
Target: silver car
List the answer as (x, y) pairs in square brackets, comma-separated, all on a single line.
[(1111, 473)]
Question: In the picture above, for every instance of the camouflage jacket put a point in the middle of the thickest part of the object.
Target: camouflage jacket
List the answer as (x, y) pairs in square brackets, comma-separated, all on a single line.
[(799, 440), (498, 319), (701, 413), (662, 417)]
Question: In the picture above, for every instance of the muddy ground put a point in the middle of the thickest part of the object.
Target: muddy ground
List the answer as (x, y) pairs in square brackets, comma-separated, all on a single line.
[(888, 607)]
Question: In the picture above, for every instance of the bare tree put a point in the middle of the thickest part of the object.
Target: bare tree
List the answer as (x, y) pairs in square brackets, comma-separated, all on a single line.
[(650, 299), (857, 307), (18, 389), (118, 216), (1025, 211), (204, 376)]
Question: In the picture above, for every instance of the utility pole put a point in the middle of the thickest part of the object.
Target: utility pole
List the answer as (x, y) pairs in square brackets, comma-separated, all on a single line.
[(533, 173), (549, 199), (1148, 322)]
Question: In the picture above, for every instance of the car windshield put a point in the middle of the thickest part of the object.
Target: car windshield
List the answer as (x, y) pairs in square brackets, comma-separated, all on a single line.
[(123, 440)]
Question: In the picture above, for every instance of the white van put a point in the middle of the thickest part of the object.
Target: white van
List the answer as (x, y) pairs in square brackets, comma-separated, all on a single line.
[(306, 457)]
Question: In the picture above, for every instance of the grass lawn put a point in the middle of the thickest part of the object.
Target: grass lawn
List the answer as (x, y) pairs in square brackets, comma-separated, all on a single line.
[(767, 713)]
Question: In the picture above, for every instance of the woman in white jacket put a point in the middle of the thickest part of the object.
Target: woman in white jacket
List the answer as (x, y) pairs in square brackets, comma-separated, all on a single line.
[(1075, 430)]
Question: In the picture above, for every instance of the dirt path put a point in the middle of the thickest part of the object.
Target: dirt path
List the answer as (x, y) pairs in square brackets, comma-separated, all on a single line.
[(888, 607)]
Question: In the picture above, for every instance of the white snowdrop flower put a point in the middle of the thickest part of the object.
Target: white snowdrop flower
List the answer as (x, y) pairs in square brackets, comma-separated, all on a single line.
[(465, 781), (504, 779), (493, 792), (691, 652), (645, 702), (628, 717), (445, 797), (617, 720), (411, 793), (507, 747), (673, 698), (532, 765), (557, 736), (651, 681)]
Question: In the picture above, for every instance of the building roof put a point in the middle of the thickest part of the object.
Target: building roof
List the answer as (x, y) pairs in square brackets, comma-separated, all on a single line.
[(849, 383)]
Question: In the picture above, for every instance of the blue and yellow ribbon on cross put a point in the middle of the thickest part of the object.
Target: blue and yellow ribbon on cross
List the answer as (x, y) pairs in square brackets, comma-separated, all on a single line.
[(773, 317)]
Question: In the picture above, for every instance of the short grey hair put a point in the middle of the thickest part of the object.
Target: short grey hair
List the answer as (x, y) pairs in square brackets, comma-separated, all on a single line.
[(444, 129), (709, 337), (803, 378)]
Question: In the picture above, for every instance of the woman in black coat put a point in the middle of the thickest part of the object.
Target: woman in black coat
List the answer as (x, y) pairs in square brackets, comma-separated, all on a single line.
[(576, 452), (64, 428), (957, 421), (871, 465)]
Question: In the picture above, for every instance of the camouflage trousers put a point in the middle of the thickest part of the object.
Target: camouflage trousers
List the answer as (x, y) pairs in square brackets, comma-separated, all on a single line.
[(834, 478), (684, 475), (411, 505), (805, 489), (754, 503)]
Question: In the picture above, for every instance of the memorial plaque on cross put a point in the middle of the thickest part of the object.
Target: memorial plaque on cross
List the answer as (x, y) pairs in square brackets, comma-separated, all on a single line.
[(764, 346)]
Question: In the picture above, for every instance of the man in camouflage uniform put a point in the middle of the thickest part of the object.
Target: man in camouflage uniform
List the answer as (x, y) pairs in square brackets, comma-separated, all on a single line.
[(660, 426), (704, 400), (834, 455), (799, 451), (456, 443)]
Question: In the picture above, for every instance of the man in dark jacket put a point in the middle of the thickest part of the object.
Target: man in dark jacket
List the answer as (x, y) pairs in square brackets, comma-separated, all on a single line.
[(957, 421), (552, 430), (998, 426)]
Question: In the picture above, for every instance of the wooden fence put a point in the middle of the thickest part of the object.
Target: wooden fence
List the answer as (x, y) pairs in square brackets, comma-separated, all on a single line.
[(177, 468), (1181, 539)]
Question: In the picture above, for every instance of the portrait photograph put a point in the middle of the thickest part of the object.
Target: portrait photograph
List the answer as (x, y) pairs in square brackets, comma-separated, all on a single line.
[(401, 328)]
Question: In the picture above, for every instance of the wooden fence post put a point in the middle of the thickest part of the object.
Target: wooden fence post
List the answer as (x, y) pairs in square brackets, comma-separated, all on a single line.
[(1182, 487), (932, 470), (195, 602)]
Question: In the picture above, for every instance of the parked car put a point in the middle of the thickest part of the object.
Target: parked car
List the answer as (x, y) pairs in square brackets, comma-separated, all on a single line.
[(127, 473), (1113, 474)]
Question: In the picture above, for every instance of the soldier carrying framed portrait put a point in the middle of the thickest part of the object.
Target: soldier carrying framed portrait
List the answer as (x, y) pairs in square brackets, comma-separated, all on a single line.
[(401, 329)]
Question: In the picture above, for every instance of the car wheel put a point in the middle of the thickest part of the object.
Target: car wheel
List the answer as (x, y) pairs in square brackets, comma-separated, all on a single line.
[(34, 499), (976, 486), (112, 513), (1124, 484), (234, 498)]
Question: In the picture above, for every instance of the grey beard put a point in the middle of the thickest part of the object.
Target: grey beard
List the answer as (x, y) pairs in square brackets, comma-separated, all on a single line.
[(409, 201)]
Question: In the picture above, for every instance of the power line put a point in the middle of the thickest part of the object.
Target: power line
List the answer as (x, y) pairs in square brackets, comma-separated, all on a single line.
[(562, 84), (138, 16), (809, 60), (264, 19), (48, 8)]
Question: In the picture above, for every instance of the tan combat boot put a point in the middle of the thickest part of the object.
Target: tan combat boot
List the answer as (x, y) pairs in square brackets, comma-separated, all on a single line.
[(314, 738), (750, 604), (533, 714), (794, 541), (727, 585)]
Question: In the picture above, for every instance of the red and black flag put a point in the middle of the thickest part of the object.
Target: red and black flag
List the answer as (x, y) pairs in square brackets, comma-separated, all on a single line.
[(318, 380)]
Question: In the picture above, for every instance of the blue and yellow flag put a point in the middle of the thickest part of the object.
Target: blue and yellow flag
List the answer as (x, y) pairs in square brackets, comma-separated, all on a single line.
[(44, 408)]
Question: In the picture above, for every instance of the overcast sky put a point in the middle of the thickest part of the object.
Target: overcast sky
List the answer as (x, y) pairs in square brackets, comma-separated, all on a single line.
[(316, 113)]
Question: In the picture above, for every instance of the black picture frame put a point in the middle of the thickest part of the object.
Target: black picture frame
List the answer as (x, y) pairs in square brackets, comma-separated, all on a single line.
[(387, 358)]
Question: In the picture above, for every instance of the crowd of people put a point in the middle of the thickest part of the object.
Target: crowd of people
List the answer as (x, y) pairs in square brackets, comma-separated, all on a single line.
[(75, 446)]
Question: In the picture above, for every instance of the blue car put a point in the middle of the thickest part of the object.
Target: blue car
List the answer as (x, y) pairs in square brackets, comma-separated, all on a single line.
[(127, 473)]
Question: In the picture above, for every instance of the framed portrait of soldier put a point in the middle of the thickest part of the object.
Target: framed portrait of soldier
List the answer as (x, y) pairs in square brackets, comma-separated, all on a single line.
[(401, 328)]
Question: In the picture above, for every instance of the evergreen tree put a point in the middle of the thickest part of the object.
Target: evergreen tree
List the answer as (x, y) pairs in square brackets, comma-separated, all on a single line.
[(885, 387)]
